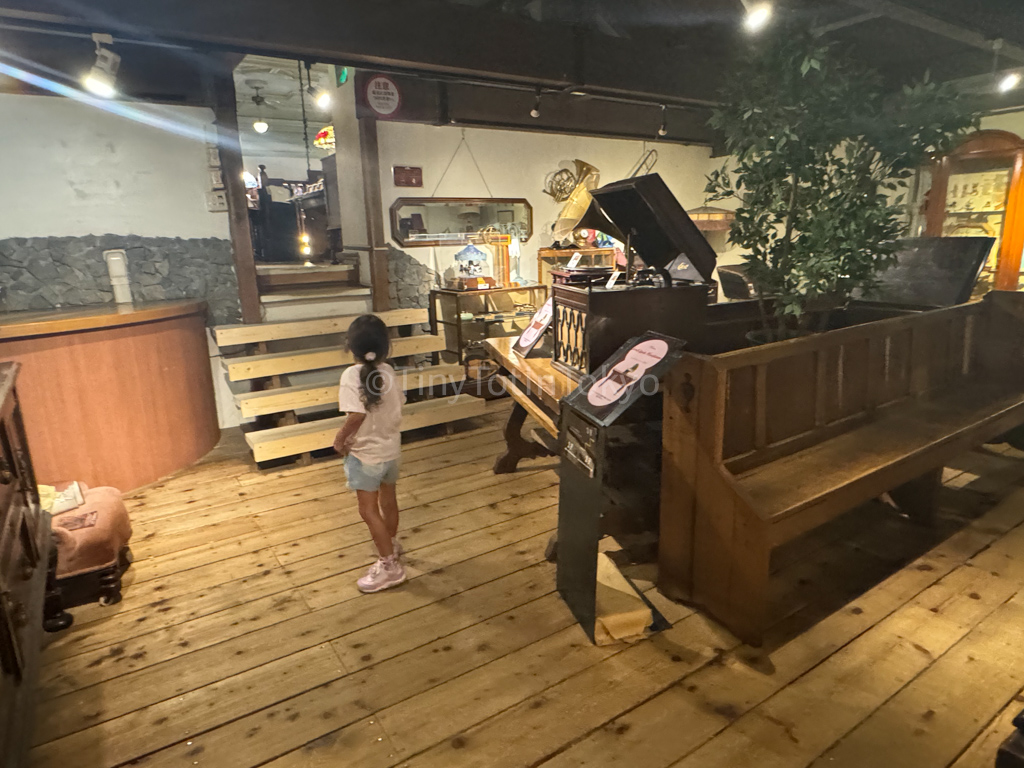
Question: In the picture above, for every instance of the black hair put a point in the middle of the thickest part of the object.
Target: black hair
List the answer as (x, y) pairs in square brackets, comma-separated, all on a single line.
[(369, 336)]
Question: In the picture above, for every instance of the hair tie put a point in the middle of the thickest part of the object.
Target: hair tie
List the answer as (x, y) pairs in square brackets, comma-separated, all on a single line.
[(370, 357)]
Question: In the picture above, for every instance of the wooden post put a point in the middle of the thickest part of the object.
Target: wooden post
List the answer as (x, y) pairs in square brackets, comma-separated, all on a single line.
[(225, 110), (375, 237)]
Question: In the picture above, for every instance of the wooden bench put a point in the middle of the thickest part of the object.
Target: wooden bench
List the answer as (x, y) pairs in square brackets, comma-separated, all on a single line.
[(277, 400), (537, 389), (762, 445)]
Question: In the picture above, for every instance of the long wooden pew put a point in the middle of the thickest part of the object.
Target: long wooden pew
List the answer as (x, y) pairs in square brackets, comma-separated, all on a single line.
[(762, 445)]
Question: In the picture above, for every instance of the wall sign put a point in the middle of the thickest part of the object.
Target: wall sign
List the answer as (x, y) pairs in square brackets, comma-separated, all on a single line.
[(407, 176), (383, 96)]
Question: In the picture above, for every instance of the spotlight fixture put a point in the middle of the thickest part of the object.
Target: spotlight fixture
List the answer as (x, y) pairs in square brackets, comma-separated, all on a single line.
[(663, 130), (323, 99), (259, 125), (758, 15), (535, 112), (1009, 82), (102, 77)]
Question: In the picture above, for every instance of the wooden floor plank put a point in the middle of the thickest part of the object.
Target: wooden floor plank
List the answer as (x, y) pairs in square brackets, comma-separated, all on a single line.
[(981, 753), (932, 720), (337, 570), (243, 642), (474, 589)]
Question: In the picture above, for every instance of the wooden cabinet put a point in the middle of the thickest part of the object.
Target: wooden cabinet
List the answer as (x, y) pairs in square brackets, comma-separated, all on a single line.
[(978, 189), (24, 559)]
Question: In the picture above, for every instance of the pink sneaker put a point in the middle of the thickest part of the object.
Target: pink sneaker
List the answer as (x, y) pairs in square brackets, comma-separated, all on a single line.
[(387, 572)]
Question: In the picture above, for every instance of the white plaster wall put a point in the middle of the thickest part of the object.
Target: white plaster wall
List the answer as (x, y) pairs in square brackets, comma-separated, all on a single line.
[(515, 164), (71, 169), (1010, 121)]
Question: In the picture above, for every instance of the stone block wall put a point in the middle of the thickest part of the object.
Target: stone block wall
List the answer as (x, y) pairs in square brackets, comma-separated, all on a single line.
[(41, 273), (409, 281)]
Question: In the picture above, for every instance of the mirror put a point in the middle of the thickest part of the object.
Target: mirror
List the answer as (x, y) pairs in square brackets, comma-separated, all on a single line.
[(421, 221)]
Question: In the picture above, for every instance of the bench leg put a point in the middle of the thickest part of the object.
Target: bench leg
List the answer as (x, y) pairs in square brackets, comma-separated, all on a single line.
[(919, 498), (517, 447)]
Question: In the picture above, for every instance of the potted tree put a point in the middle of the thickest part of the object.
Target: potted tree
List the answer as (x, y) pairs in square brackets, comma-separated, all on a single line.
[(821, 154)]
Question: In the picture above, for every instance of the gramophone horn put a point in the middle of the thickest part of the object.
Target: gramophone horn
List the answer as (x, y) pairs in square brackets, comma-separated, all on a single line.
[(586, 173), (581, 210)]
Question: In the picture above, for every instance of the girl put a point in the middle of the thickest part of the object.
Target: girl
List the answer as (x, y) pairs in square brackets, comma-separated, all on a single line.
[(371, 442)]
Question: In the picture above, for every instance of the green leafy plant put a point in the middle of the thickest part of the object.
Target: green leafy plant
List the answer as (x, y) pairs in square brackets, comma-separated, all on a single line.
[(821, 154)]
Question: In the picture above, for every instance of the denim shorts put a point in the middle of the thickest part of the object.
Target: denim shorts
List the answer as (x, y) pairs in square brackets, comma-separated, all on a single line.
[(369, 477)]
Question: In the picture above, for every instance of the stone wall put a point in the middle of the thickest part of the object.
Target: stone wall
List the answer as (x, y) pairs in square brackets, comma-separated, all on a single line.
[(409, 281), (41, 273)]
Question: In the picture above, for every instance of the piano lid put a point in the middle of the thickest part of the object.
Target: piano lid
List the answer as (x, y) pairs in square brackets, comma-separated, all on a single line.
[(659, 229)]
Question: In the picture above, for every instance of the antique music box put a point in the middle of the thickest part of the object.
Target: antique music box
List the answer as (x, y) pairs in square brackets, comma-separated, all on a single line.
[(593, 320)]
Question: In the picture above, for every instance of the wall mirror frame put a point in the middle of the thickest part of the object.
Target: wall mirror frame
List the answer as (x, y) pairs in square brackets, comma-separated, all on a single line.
[(411, 219)]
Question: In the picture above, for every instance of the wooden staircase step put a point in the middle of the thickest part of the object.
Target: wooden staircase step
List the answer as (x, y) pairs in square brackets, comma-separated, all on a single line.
[(309, 396), (295, 439), (247, 367), (233, 335)]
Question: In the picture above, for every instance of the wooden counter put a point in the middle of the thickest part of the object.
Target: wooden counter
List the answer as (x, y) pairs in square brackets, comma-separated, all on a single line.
[(114, 395)]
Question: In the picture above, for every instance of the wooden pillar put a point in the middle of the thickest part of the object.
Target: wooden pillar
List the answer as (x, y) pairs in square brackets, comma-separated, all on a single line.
[(225, 110), (375, 236)]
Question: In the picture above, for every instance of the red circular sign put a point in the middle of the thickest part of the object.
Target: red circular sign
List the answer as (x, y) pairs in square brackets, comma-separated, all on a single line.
[(382, 95)]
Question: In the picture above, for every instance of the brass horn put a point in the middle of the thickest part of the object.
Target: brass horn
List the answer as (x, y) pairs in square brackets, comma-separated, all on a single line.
[(588, 174)]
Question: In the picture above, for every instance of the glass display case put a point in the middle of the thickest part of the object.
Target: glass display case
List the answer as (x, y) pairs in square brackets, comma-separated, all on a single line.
[(977, 190)]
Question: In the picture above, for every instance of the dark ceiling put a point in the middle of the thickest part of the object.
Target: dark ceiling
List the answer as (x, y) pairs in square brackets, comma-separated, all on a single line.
[(660, 51)]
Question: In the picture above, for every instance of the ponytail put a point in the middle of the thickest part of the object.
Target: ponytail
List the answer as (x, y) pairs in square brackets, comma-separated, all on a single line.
[(369, 343)]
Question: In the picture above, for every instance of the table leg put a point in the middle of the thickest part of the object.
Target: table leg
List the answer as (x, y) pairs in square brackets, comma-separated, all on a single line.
[(517, 447)]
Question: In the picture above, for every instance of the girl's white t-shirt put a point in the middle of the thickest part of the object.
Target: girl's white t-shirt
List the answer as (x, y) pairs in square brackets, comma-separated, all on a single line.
[(379, 438)]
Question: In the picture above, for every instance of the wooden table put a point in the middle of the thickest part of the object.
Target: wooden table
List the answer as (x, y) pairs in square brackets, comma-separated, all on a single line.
[(537, 389), (114, 395)]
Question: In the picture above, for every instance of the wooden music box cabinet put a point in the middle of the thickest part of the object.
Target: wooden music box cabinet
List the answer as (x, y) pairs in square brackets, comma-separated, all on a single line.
[(591, 321), (24, 561)]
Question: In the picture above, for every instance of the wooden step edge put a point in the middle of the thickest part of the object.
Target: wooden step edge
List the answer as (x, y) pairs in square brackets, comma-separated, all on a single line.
[(296, 439)]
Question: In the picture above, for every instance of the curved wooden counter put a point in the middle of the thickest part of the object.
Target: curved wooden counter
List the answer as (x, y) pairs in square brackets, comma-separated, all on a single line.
[(114, 395)]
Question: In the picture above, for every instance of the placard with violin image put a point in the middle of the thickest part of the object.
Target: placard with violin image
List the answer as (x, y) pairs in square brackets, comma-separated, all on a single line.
[(632, 372), (539, 324)]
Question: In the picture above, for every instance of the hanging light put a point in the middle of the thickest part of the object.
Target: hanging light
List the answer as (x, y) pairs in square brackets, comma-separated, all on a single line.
[(758, 15), (102, 78), (663, 130), (1009, 82), (259, 125), (321, 97), (535, 112)]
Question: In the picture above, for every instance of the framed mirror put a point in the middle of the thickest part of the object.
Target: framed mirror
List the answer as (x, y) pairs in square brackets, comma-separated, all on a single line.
[(422, 221)]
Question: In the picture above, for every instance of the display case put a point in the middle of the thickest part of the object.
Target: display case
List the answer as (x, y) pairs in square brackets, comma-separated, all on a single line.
[(976, 191), (467, 317), (554, 258)]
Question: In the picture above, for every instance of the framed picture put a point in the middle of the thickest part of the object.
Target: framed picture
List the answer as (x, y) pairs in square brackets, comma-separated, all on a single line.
[(539, 323)]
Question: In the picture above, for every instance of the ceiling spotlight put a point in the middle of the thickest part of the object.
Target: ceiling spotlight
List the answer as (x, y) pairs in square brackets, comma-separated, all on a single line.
[(535, 112), (259, 125), (758, 15), (102, 77), (1009, 82), (663, 130)]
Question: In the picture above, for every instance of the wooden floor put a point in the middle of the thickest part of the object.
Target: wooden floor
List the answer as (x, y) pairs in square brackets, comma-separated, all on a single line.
[(242, 640)]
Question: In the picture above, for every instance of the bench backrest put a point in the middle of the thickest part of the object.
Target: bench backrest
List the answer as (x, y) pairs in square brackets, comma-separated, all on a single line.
[(763, 403)]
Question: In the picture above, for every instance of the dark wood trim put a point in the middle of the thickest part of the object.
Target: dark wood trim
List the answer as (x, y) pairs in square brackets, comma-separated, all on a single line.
[(234, 189), (403, 201), (370, 154)]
